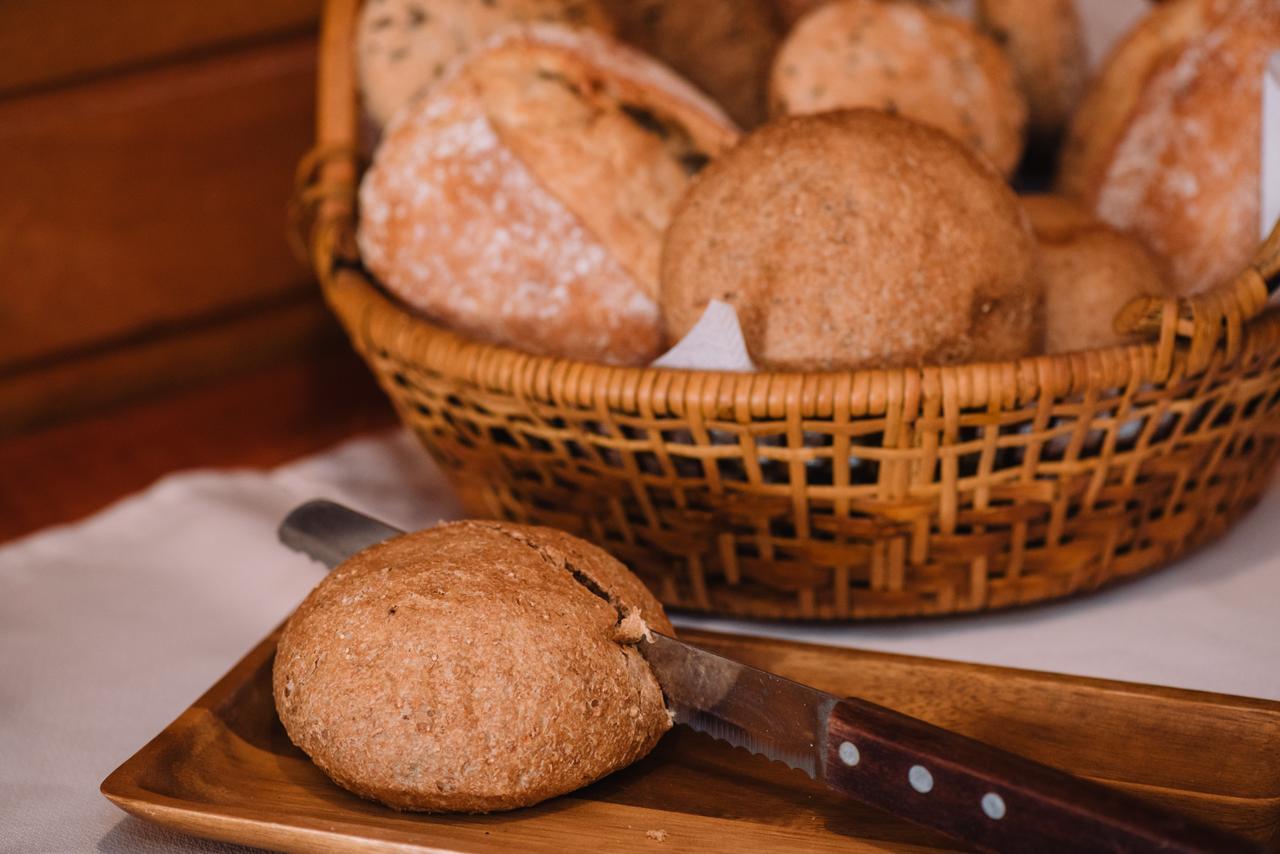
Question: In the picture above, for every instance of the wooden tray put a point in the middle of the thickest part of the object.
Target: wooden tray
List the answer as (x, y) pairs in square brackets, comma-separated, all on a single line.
[(225, 769)]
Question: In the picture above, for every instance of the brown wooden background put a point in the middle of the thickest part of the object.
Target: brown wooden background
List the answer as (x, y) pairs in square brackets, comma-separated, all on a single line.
[(146, 158)]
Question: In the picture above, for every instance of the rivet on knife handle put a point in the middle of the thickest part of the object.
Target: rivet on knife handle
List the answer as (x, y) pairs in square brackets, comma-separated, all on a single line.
[(992, 799)]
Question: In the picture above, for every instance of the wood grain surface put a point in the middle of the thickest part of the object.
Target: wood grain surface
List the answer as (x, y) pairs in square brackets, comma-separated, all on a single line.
[(144, 222), (260, 418), (226, 770), (46, 42), (144, 200)]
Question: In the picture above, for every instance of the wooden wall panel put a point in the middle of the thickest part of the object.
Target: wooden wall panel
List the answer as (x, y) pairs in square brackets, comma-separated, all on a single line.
[(147, 199), (201, 351), (50, 41)]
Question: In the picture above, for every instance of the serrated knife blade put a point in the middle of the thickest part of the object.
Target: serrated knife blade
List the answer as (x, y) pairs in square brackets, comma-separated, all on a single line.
[(766, 714), (987, 797)]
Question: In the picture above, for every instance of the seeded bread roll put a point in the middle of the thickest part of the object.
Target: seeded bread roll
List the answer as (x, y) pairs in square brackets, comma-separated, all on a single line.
[(1045, 41), (724, 47), (856, 239), (1167, 142), (472, 667), (523, 201), (908, 60), (1090, 272), (403, 47)]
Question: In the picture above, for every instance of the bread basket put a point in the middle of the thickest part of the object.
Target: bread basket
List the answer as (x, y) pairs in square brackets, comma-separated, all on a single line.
[(865, 494)]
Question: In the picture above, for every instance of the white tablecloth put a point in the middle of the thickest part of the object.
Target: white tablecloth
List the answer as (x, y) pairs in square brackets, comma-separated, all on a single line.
[(109, 628)]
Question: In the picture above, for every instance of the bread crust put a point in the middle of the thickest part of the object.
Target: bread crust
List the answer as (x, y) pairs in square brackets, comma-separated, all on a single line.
[(1090, 272), (908, 59), (404, 47), (1044, 40), (523, 201), (1166, 145), (856, 239), (471, 667), (724, 47), (791, 11)]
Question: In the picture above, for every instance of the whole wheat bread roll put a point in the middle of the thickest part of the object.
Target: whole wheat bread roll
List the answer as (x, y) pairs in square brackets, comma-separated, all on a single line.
[(404, 47), (523, 201), (1090, 272), (1045, 41), (472, 667), (907, 59), (856, 239), (724, 47), (1166, 144)]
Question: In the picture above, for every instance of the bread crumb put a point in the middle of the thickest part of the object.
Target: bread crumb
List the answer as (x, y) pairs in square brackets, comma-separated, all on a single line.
[(656, 835), (632, 628)]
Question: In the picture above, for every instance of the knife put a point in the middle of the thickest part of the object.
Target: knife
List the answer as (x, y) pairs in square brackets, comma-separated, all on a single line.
[(976, 793)]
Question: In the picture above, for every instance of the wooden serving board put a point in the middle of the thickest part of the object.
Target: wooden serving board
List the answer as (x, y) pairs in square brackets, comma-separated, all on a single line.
[(226, 770)]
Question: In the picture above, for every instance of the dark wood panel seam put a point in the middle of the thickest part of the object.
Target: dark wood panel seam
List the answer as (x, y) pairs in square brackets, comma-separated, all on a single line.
[(124, 70), (304, 292)]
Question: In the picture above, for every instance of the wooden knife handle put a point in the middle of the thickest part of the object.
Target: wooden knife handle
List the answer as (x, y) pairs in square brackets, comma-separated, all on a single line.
[(991, 799)]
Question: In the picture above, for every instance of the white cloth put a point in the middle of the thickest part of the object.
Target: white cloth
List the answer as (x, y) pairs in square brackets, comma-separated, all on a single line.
[(111, 627)]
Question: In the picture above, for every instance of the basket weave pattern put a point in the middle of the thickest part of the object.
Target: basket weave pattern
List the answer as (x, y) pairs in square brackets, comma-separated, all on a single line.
[(840, 495)]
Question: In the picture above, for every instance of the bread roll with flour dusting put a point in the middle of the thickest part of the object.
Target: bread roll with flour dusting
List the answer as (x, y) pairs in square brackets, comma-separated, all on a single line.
[(523, 201), (1167, 143)]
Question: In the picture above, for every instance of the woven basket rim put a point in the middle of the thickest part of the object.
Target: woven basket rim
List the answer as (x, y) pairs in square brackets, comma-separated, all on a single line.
[(378, 318)]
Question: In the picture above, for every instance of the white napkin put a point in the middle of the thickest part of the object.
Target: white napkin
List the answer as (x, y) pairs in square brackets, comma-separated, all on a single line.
[(715, 343)]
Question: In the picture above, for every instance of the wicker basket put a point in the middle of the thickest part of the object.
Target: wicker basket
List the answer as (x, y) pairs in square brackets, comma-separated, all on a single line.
[(884, 493)]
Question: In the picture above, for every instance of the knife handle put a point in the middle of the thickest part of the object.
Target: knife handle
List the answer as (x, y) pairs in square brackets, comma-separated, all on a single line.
[(992, 799)]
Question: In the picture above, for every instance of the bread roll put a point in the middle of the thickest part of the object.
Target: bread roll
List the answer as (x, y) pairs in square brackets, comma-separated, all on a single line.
[(1045, 41), (790, 11), (1166, 144), (724, 47), (909, 60), (472, 667), (403, 47), (856, 239), (1090, 272), (523, 201)]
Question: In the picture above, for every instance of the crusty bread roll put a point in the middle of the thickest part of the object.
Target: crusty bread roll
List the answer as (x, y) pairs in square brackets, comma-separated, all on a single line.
[(403, 47), (724, 47), (1045, 41), (472, 667), (790, 11), (1090, 272), (909, 60), (1166, 144), (856, 239), (523, 201)]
